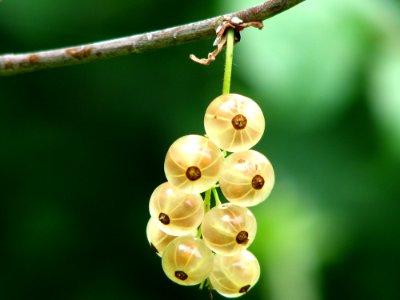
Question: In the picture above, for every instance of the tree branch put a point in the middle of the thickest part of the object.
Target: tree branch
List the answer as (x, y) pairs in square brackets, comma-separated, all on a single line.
[(11, 64)]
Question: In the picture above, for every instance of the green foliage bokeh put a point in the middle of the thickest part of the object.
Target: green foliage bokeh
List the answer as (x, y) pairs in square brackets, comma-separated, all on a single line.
[(82, 148)]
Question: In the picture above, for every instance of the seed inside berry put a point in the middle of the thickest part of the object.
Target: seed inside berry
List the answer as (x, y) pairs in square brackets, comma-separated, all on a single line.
[(242, 237), (244, 289), (193, 173), (257, 182), (163, 218), (239, 122), (181, 275)]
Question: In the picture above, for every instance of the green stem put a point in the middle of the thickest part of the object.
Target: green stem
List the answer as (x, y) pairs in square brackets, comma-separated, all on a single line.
[(230, 39), (199, 232), (207, 207), (205, 283), (202, 284), (216, 197), (207, 201)]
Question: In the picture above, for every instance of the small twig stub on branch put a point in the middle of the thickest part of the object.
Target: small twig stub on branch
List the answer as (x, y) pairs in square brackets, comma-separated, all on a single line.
[(234, 23)]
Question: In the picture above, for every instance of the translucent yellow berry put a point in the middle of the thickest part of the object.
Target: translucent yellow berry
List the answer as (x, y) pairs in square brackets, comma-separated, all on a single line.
[(193, 164), (178, 213), (247, 178), (187, 260), (228, 229), (234, 122), (157, 238), (235, 275)]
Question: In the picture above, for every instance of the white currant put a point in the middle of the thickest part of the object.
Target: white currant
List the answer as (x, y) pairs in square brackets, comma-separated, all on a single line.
[(247, 178), (157, 238), (193, 164), (187, 260), (228, 229), (178, 213), (235, 275), (234, 122)]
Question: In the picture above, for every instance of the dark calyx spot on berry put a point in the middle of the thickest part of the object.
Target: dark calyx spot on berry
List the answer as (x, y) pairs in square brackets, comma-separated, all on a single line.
[(242, 237), (181, 275), (239, 122), (257, 182), (244, 289), (163, 218), (193, 173), (153, 248)]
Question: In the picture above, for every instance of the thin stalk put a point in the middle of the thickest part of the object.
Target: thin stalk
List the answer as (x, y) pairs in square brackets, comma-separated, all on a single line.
[(207, 201), (230, 40), (216, 197), (207, 207)]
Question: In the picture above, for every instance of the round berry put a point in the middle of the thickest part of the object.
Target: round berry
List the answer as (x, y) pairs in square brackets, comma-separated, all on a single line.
[(228, 229), (177, 213), (193, 164), (234, 122), (187, 260), (235, 275), (247, 178), (157, 238)]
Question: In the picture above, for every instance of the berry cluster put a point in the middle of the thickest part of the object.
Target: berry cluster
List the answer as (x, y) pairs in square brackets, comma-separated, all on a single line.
[(199, 244)]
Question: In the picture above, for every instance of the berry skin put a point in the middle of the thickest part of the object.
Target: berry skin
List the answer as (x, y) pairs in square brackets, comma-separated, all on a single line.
[(247, 178), (193, 164), (187, 260), (234, 122), (228, 229), (178, 213), (235, 275), (157, 238)]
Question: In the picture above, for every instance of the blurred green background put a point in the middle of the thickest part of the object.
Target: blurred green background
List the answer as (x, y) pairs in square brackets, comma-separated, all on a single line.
[(82, 148)]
